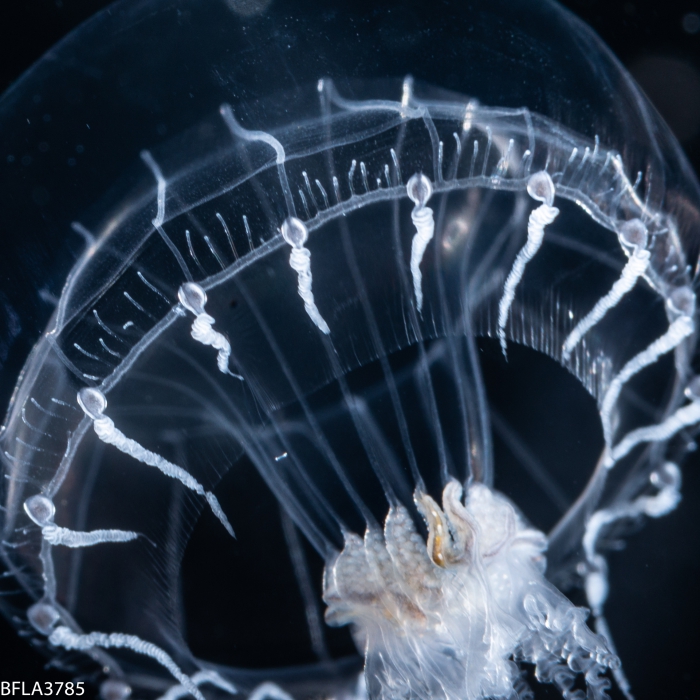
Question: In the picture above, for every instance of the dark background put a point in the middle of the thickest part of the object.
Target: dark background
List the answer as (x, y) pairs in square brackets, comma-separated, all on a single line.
[(656, 579)]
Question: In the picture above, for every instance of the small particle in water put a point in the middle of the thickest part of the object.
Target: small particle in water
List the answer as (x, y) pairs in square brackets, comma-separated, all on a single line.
[(691, 23)]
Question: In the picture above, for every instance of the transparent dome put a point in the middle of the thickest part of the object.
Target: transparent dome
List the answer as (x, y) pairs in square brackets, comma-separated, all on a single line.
[(361, 331)]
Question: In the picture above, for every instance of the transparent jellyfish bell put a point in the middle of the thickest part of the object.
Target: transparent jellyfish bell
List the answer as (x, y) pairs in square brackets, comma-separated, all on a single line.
[(286, 253)]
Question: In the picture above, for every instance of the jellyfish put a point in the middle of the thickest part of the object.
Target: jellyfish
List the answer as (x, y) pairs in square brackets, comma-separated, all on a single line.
[(356, 343)]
